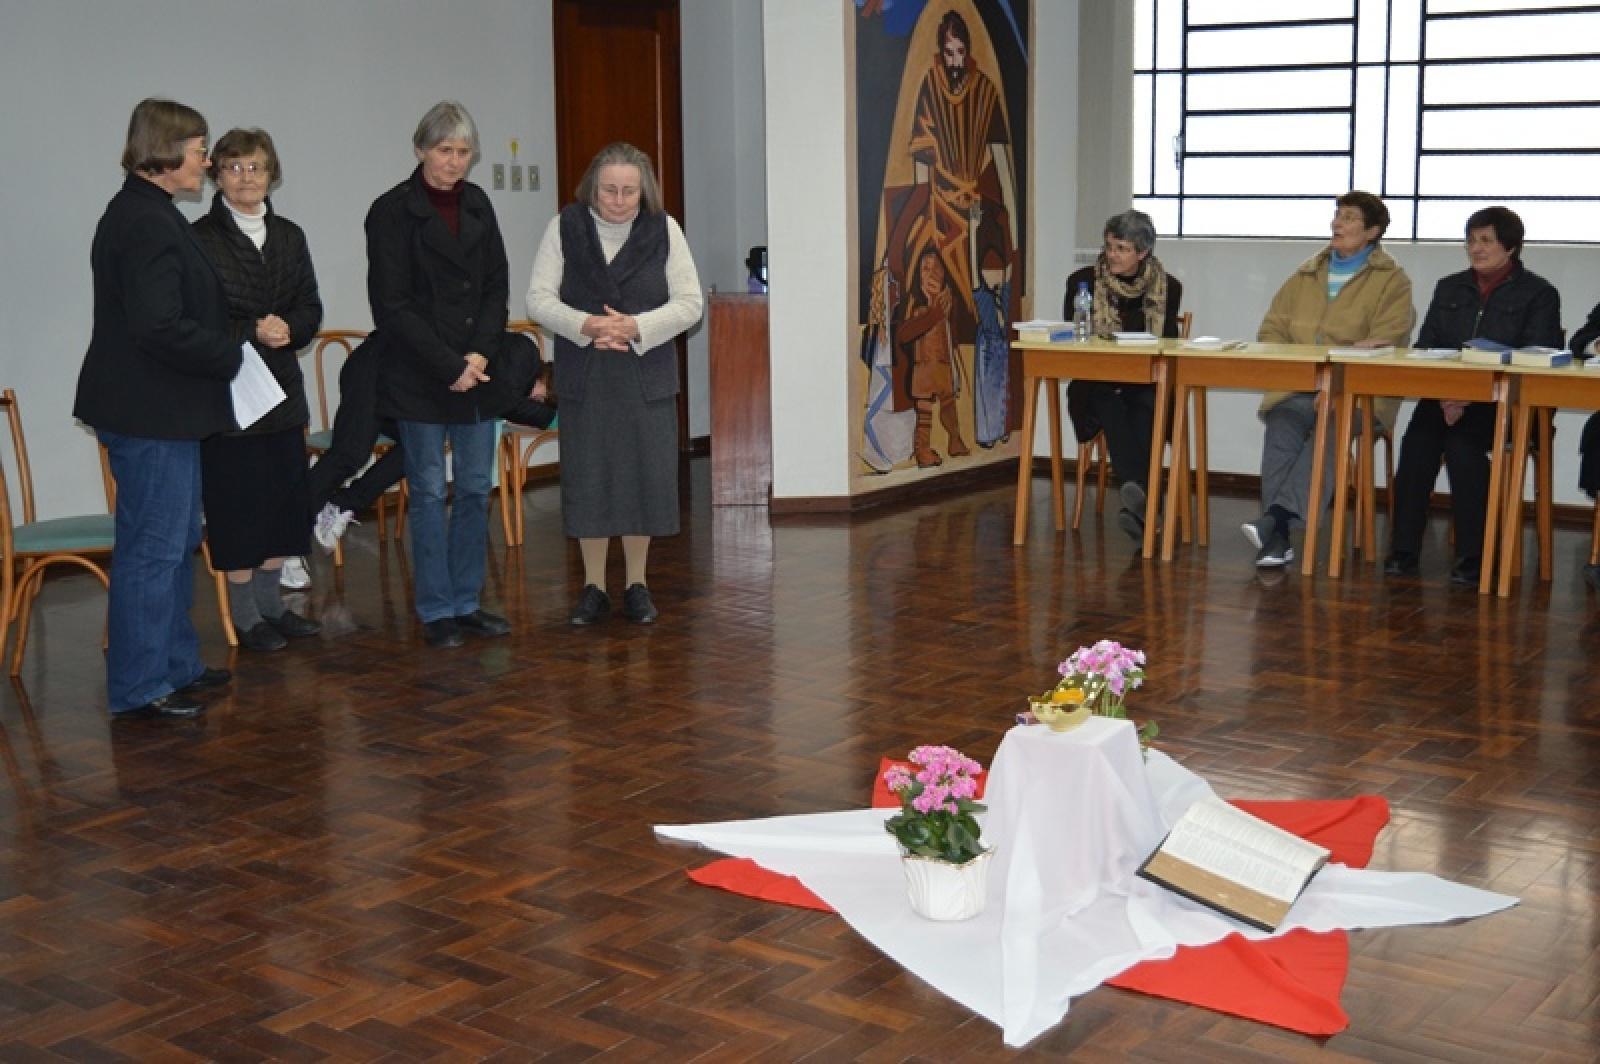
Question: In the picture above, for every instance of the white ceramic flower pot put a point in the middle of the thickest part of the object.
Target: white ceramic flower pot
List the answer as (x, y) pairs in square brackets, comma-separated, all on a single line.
[(942, 891)]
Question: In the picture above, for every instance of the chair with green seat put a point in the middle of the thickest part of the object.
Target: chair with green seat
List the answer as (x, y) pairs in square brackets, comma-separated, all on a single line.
[(32, 546)]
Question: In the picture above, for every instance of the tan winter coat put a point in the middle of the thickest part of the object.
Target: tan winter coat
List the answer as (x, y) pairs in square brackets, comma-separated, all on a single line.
[(1375, 304)]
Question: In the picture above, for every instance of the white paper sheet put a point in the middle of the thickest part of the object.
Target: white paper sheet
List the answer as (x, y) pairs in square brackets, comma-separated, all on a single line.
[(255, 389), (1065, 910)]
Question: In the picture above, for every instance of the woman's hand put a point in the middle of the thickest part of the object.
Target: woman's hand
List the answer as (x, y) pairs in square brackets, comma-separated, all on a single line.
[(1452, 409), (473, 375), (272, 331), (1370, 345), (611, 331)]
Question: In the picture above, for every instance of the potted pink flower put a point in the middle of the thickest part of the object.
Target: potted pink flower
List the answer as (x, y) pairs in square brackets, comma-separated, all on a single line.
[(945, 863)]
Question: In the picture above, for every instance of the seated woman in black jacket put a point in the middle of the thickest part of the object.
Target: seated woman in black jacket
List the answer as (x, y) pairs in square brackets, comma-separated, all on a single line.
[(253, 480), (1497, 299), (1132, 293)]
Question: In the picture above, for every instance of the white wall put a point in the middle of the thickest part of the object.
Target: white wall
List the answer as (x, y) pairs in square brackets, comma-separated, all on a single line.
[(339, 85)]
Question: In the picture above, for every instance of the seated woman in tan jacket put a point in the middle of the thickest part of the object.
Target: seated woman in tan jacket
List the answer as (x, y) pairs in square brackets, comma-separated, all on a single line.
[(1351, 293)]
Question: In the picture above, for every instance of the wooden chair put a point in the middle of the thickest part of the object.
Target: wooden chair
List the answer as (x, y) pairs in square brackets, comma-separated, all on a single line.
[(516, 446), (1364, 529), (1097, 451), (32, 546), (328, 343)]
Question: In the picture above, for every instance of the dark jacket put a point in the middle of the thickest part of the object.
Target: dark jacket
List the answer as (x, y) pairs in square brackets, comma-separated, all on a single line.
[(634, 281), (278, 279), (1525, 311), (436, 296), (1586, 335), (1080, 406), (160, 357)]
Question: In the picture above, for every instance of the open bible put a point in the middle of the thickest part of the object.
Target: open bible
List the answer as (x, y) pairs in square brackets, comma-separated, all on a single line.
[(1236, 863)]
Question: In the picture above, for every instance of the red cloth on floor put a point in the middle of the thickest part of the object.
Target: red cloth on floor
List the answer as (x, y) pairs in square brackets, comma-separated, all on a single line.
[(1293, 981)]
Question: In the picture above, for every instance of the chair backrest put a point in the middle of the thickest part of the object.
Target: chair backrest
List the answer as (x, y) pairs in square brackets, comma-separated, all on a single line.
[(19, 453), (330, 341), (523, 325), (1185, 324)]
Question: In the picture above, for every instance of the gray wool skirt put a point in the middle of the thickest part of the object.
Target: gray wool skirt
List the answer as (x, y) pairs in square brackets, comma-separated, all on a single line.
[(619, 456)]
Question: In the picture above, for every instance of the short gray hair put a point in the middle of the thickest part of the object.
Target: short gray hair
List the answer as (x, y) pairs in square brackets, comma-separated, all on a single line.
[(621, 153), (1133, 226), (446, 120)]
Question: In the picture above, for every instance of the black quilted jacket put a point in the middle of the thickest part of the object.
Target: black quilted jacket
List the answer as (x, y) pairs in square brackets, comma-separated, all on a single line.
[(279, 280)]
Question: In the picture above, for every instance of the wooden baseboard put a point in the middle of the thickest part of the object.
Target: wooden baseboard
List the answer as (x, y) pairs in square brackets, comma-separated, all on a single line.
[(915, 491)]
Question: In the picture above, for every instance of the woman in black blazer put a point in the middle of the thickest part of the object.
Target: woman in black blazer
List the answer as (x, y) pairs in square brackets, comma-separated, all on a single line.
[(436, 279), (154, 383)]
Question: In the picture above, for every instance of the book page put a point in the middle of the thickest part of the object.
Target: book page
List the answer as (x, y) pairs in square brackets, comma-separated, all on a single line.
[(1228, 842), (255, 390)]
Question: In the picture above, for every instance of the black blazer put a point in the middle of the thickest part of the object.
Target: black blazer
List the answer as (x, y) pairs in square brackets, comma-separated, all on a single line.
[(435, 296), (277, 279), (160, 357)]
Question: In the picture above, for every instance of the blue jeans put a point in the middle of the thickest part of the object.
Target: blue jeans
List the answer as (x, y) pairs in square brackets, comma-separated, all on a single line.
[(448, 564), (153, 646)]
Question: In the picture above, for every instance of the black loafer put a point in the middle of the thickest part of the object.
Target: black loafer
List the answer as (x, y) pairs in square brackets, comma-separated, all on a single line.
[(291, 625), (637, 605), (592, 608), (171, 707), (1464, 573), (262, 637), (481, 622), (442, 633), (1400, 564), (207, 679)]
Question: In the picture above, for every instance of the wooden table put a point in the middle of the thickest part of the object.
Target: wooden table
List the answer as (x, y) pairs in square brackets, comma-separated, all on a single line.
[(1099, 360), (1419, 379), (1537, 391), (1262, 367)]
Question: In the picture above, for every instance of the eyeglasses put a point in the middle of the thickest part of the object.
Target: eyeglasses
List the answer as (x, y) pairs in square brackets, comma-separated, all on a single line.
[(243, 168)]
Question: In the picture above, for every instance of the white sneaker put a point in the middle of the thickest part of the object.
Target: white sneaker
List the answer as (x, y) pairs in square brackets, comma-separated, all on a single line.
[(331, 523), (294, 575)]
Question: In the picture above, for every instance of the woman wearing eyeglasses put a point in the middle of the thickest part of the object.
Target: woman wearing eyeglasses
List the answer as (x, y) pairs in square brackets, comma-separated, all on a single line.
[(254, 480), (154, 383)]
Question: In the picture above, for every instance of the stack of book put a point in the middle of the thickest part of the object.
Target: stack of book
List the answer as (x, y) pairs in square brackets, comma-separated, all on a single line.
[(1541, 357), (1043, 331), (1481, 352)]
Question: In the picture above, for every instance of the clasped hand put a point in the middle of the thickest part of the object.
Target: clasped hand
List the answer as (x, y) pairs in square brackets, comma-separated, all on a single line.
[(473, 375), (611, 331), (272, 331)]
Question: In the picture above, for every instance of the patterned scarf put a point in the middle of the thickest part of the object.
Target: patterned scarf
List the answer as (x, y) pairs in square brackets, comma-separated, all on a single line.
[(1150, 281)]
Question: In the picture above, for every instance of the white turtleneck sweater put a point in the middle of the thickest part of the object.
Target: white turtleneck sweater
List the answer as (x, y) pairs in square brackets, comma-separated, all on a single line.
[(253, 226), (656, 327)]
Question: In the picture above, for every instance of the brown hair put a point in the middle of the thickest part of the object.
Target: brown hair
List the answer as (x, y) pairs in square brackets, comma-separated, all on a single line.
[(1372, 209), (621, 153), (237, 143), (156, 133)]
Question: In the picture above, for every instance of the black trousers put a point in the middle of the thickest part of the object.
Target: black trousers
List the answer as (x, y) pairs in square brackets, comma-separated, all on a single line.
[(1464, 448), (1126, 413), (356, 427)]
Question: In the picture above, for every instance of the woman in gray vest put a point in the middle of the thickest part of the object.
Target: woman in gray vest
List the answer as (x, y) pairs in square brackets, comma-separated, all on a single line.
[(615, 283)]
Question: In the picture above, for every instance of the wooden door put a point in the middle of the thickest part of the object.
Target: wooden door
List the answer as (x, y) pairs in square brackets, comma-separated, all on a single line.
[(618, 78)]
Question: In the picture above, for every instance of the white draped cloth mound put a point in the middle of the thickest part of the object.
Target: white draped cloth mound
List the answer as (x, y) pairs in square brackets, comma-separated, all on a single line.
[(1071, 817)]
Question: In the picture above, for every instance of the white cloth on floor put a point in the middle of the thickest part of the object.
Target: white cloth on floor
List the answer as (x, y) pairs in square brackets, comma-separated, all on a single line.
[(1071, 817)]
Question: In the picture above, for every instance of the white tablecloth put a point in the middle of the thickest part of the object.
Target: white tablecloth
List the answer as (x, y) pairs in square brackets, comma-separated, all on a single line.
[(1071, 817)]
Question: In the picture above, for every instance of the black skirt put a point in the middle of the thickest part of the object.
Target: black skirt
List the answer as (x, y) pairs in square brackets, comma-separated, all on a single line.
[(256, 501), (619, 455)]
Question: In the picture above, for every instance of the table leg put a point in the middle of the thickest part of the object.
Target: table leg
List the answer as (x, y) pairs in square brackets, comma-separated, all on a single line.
[(1544, 491), (1162, 370), (1180, 449), (1202, 471), (1319, 456), (1511, 527), (1341, 476), (1367, 476), (1030, 402), (1058, 495), (1497, 473)]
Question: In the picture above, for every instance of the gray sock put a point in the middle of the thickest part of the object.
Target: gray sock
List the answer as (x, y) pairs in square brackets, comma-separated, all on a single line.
[(269, 600), (242, 606)]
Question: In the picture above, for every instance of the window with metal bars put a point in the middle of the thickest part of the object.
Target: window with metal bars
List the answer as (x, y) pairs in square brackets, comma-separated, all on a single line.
[(1250, 116)]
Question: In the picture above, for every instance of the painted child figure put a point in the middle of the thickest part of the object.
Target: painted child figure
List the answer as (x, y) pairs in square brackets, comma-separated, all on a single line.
[(927, 343)]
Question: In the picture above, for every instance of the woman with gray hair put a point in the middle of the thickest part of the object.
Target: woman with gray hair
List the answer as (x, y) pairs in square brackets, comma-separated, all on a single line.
[(1132, 293), (614, 281), (436, 279)]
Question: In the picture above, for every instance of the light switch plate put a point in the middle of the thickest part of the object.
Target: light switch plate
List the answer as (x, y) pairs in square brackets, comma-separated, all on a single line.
[(516, 178), (533, 179), (499, 177)]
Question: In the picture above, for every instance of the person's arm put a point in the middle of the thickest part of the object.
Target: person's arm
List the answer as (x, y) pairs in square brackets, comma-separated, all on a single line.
[(684, 299), (1541, 325), (1584, 338), (1277, 326), (394, 311), (303, 314), (150, 267), (1394, 315), (544, 290), (1431, 333), (491, 316), (1169, 327)]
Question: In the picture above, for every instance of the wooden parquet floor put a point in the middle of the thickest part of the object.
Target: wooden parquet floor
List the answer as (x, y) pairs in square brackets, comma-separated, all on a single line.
[(374, 851)]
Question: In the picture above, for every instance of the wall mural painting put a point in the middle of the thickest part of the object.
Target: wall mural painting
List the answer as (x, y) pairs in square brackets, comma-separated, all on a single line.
[(941, 112)]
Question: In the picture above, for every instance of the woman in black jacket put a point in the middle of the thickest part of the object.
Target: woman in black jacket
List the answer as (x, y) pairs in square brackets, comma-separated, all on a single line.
[(154, 383), (253, 481), (1497, 299), (436, 278)]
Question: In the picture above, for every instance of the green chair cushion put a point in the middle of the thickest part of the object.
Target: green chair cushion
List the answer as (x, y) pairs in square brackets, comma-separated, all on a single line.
[(66, 535)]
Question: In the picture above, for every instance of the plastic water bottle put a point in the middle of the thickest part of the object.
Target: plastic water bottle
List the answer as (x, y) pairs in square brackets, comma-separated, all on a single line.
[(1082, 313)]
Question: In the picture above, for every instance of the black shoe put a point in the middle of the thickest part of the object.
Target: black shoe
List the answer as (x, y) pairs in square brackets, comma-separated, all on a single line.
[(207, 679), (1465, 571), (1131, 523), (592, 608), (1400, 564), (170, 707), (1275, 553), (637, 606), (293, 626), (442, 633), (481, 622), (262, 636), (1591, 576)]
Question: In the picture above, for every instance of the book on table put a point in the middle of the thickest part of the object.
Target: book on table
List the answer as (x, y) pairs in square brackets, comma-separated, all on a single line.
[(1541, 357), (1435, 354), (1592, 364), (1135, 337), (1235, 863), (1362, 352), (1043, 330), (1481, 352)]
